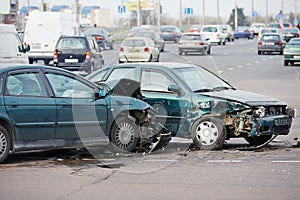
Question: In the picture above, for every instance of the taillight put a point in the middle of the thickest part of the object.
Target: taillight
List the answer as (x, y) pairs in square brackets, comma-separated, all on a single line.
[(173, 33), (201, 43), (99, 38), (180, 43), (55, 56), (88, 54), (296, 35), (280, 43), (121, 49), (218, 35), (259, 43), (146, 49), (247, 31)]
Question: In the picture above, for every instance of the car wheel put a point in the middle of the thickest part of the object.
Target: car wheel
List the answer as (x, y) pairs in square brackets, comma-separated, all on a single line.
[(258, 140), (281, 52), (208, 133), (111, 46), (224, 43), (286, 63), (31, 61), (292, 63), (219, 43), (180, 52), (157, 60), (124, 134), (5, 143), (232, 39), (259, 52), (121, 62)]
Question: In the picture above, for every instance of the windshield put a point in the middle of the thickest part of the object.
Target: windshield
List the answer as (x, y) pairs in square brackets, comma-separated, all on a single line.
[(199, 79)]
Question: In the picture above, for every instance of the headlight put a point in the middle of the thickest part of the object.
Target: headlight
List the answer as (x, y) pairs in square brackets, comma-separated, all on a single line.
[(260, 112), (287, 50)]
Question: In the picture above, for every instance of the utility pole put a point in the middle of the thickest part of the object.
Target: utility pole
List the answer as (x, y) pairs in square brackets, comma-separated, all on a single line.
[(77, 10), (158, 15), (203, 12), (252, 8), (180, 14), (139, 13), (235, 15), (267, 11), (281, 20), (218, 11)]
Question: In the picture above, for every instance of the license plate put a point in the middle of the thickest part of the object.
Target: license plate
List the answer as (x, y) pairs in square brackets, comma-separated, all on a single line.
[(134, 50), (165, 33), (268, 43), (71, 60), (35, 46), (281, 121)]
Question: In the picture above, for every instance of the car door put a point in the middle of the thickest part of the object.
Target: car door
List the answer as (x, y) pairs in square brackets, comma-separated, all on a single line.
[(171, 106), (31, 111), (81, 117)]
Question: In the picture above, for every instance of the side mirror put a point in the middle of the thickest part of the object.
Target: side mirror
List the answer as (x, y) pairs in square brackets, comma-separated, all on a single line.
[(176, 89), (27, 48), (100, 93)]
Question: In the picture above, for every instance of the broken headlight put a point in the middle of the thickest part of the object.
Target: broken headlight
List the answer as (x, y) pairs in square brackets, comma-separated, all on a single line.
[(260, 112)]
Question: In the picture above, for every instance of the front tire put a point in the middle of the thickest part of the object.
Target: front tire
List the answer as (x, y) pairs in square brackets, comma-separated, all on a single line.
[(286, 63), (5, 144), (208, 133), (124, 134)]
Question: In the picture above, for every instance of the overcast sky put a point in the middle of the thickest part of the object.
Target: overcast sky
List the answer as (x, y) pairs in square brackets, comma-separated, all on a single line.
[(171, 7)]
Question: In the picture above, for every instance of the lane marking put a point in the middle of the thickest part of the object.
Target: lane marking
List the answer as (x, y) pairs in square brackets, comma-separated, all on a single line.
[(220, 72), (248, 64), (230, 69), (224, 161), (286, 161), (256, 62), (240, 66)]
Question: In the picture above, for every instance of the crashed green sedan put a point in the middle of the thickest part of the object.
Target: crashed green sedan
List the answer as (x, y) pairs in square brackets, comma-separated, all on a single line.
[(192, 101)]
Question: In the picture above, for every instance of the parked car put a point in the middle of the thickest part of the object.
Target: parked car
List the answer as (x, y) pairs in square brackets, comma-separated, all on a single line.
[(215, 33), (289, 33), (292, 52), (170, 33), (158, 41), (286, 25), (192, 101), (49, 108), (77, 53), (229, 33), (12, 49), (102, 36), (257, 27), (194, 28), (138, 49), (194, 42), (243, 32), (268, 30), (270, 42)]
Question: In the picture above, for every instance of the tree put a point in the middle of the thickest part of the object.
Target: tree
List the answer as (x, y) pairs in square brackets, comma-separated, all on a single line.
[(241, 18)]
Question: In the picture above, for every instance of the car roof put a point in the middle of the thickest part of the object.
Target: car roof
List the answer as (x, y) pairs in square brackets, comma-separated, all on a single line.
[(169, 65), (5, 67)]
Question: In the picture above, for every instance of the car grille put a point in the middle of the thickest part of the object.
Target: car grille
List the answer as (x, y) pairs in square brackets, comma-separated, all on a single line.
[(275, 110)]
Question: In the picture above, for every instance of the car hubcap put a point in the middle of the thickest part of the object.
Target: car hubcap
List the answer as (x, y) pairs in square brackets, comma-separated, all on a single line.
[(3, 144), (207, 133), (125, 135)]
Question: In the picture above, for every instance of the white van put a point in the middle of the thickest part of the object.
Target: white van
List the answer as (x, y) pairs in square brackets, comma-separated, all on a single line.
[(11, 48), (215, 33), (42, 31)]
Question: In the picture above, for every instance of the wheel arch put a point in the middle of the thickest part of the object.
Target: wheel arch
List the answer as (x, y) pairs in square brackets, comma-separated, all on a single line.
[(5, 123)]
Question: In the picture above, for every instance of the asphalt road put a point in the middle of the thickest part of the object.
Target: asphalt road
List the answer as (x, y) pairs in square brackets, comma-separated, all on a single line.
[(179, 171)]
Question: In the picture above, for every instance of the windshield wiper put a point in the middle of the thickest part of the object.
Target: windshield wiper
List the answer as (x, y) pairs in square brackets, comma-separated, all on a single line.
[(222, 88), (203, 90)]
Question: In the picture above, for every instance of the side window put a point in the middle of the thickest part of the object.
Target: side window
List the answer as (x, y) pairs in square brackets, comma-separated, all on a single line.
[(98, 76), (121, 73), (25, 84), (68, 87), (1, 84), (155, 81), (19, 43)]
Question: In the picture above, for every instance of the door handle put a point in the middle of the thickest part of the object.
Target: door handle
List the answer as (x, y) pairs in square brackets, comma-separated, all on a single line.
[(13, 104), (63, 104)]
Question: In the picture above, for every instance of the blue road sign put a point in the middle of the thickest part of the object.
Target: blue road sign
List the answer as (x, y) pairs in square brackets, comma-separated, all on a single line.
[(254, 14), (188, 11), (121, 9)]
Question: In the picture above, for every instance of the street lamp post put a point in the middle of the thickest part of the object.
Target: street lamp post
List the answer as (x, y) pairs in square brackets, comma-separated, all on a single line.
[(139, 13), (267, 11), (218, 11), (180, 14), (235, 15), (203, 12), (158, 15), (252, 9)]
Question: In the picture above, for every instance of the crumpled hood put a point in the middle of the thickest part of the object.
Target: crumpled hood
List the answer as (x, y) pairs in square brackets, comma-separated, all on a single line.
[(249, 98)]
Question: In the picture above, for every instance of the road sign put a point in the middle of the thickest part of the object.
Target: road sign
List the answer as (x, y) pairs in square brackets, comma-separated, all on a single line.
[(121, 9), (188, 11), (254, 13)]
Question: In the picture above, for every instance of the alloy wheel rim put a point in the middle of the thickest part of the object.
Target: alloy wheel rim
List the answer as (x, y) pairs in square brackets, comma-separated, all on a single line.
[(3, 144), (207, 133), (125, 135)]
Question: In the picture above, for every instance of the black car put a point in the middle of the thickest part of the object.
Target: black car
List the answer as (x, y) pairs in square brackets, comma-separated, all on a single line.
[(102, 36), (289, 33), (77, 53), (170, 33)]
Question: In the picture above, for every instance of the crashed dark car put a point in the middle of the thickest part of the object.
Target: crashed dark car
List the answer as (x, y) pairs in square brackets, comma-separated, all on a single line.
[(50, 108), (192, 101)]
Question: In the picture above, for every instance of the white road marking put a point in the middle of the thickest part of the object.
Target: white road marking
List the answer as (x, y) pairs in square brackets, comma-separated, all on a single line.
[(256, 62), (248, 64), (286, 161), (160, 160), (264, 59), (220, 72), (230, 69), (240, 66), (224, 161)]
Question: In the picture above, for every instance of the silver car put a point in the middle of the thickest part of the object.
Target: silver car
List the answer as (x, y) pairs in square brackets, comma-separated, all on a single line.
[(194, 42)]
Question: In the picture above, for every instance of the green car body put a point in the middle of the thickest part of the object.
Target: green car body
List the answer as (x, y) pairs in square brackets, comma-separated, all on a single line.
[(292, 52), (45, 108), (193, 102)]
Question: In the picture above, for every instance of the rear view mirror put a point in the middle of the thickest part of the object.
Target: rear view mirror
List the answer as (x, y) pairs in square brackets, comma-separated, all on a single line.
[(176, 89)]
